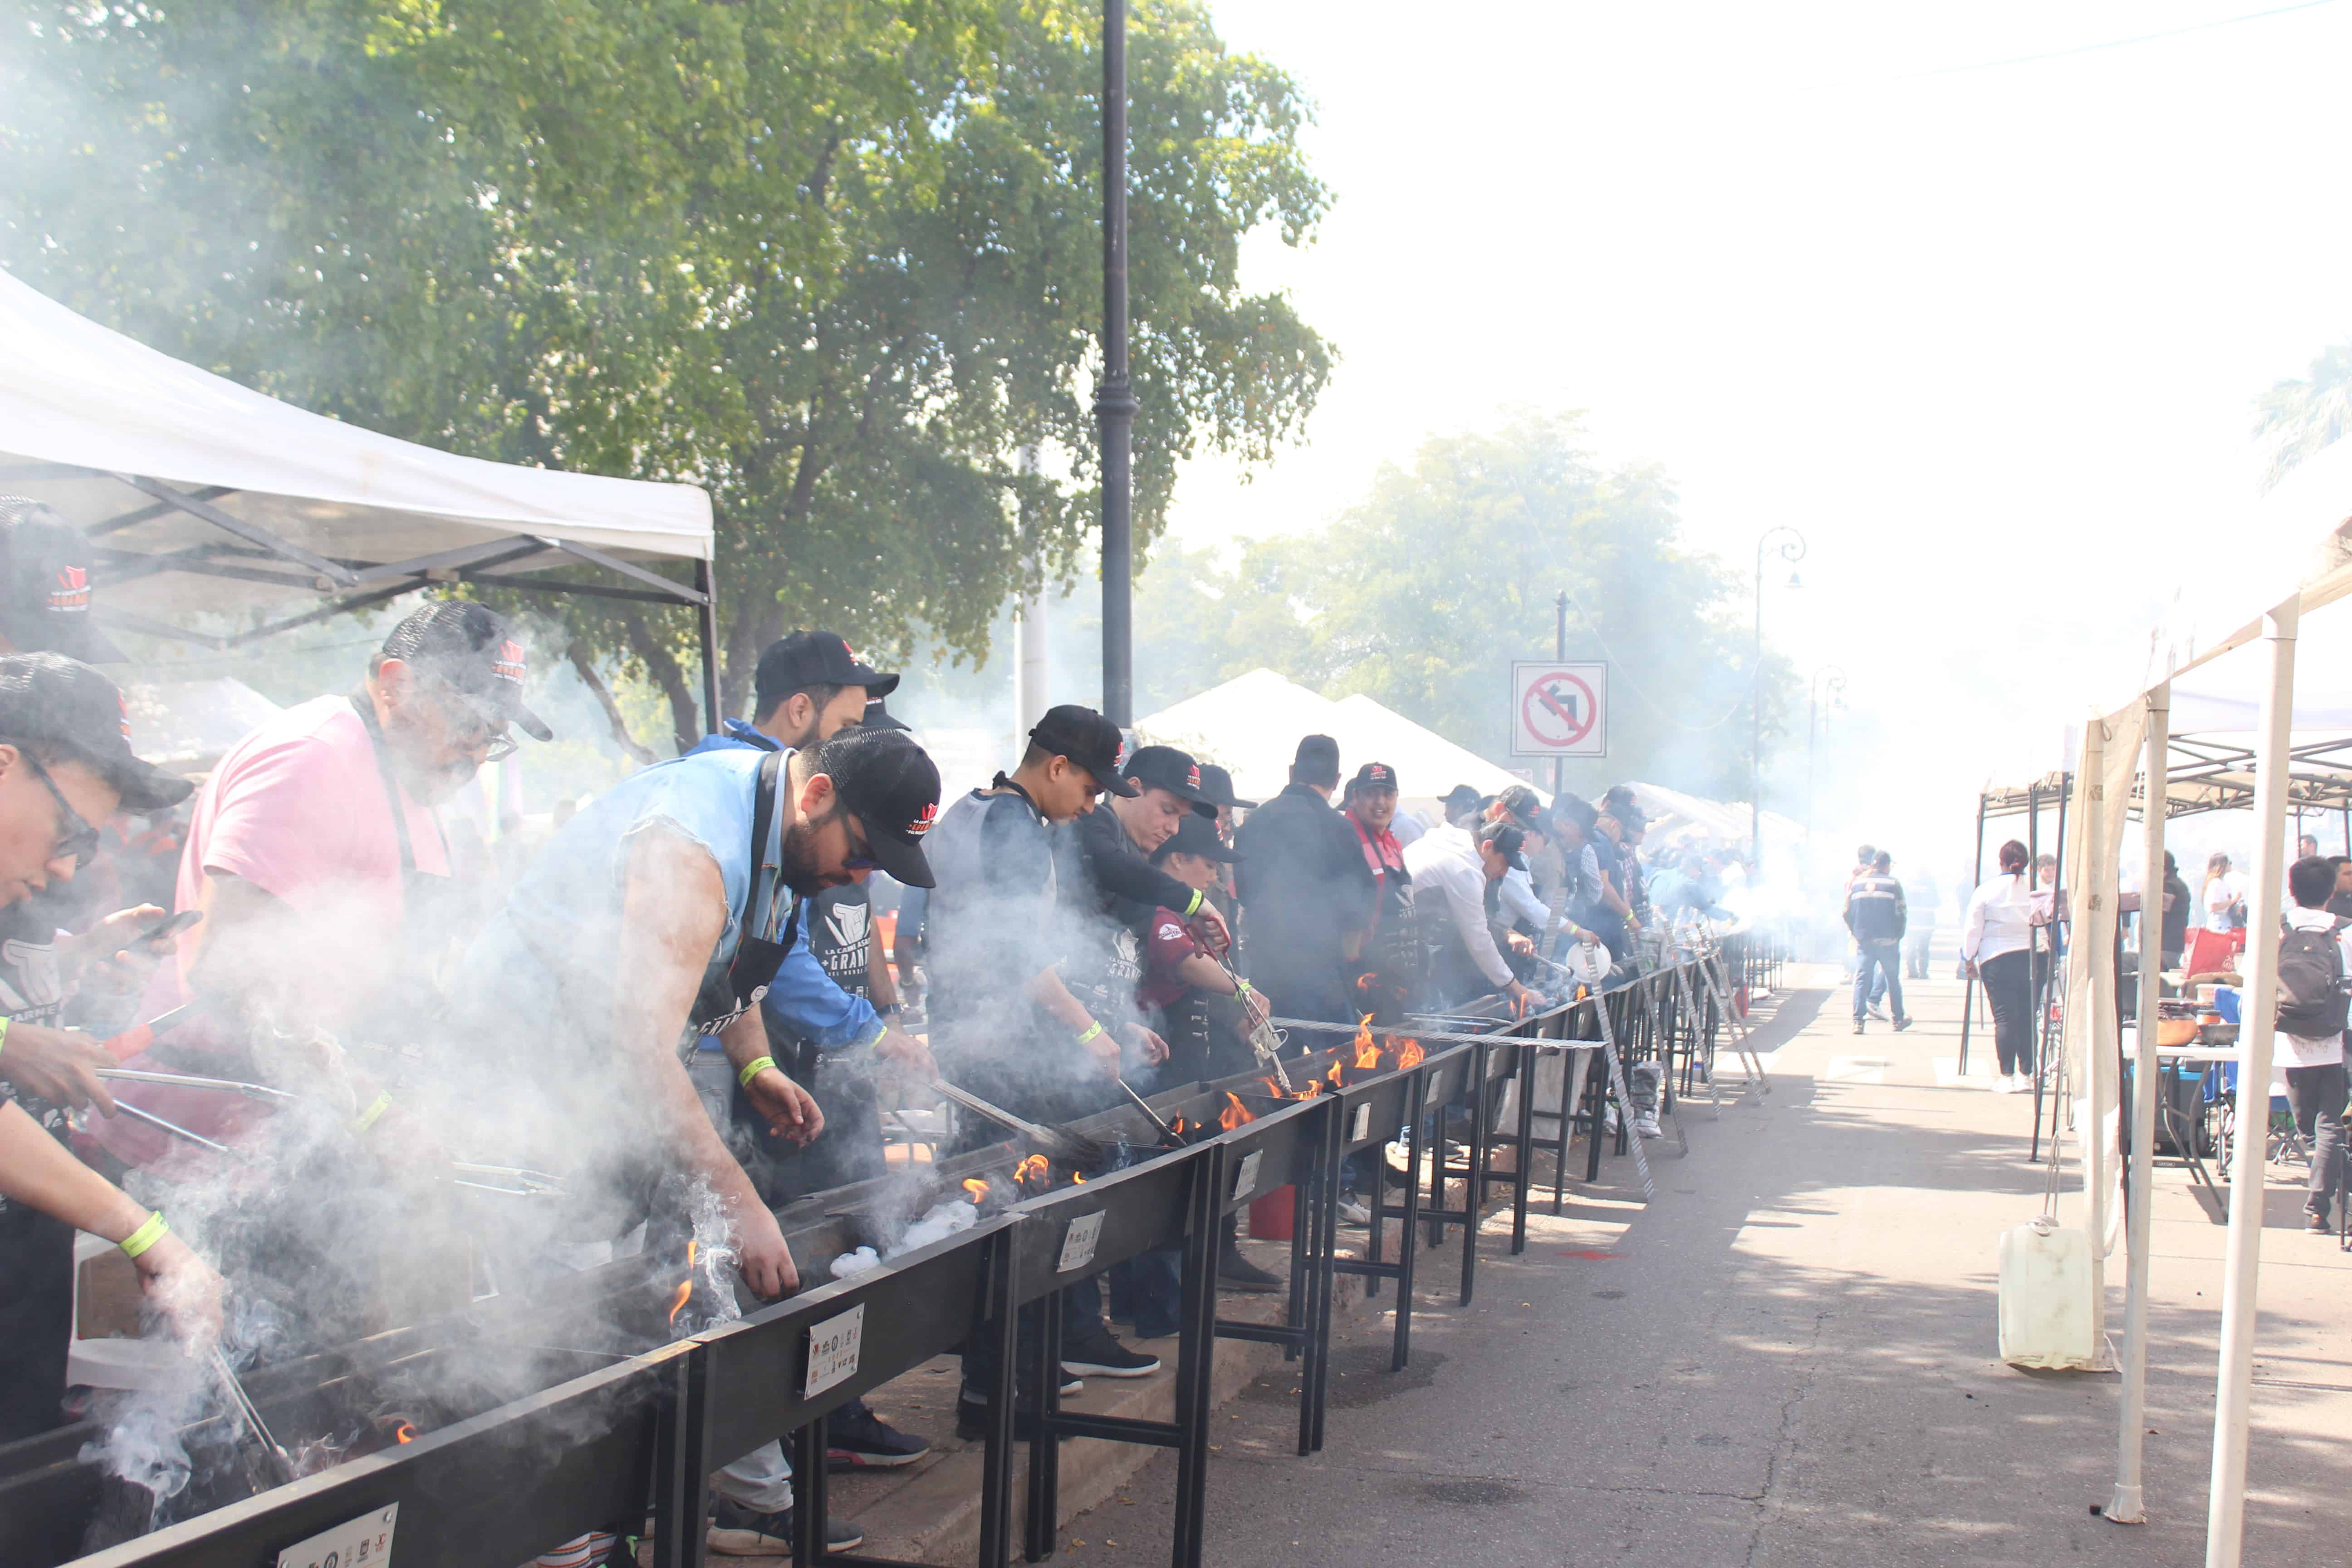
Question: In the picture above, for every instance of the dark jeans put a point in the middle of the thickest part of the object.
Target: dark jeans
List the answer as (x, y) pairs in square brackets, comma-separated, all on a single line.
[(2006, 981), (2316, 1096), (36, 1320), (1879, 959)]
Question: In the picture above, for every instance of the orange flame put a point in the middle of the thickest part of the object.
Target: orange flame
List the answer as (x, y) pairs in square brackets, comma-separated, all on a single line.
[(1176, 1127), (1334, 1075), (1368, 1054), (977, 1189), (1367, 979), (1408, 1054), (1235, 1113), (684, 1290), (403, 1433), (1079, 1177), (1032, 1169)]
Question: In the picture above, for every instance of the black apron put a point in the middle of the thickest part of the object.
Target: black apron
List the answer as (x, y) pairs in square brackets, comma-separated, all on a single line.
[(726, 998), (435, 919)]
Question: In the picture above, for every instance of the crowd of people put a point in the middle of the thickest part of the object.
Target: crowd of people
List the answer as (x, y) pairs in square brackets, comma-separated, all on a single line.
[(684, 1006)]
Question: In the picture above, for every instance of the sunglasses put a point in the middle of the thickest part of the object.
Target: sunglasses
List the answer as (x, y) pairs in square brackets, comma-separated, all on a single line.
[(861, 847), (77, 839)]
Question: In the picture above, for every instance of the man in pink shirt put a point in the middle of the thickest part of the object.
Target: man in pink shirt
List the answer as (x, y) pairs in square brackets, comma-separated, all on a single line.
[(322, 872)]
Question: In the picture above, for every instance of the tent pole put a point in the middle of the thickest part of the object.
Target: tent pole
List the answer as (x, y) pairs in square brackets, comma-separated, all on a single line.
[(2053, 980), (2126, 1505), (2225, 1519), (2097, 889), (2032, 983), (1968, 982), (705, 621)]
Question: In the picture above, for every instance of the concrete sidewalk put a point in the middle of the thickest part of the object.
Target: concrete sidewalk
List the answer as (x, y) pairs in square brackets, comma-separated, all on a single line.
[(1788, 1358)]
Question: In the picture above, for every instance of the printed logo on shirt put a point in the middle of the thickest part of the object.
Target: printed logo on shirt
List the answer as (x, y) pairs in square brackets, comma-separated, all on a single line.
[(1170, 931), (509, 664), (31, 989), (1125, 955), (922, 825), (72, 592)]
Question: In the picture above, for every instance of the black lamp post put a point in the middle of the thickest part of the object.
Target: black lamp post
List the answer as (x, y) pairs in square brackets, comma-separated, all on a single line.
[(1115, 397)]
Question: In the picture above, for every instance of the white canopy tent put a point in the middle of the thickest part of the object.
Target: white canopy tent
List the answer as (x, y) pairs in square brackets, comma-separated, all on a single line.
[(1250, 725), (2271, 549), (201, 496)]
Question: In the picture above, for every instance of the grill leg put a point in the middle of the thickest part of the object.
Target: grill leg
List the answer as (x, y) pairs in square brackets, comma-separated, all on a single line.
[(1045, 1447), (1527, 1149), (996, 1465), (1408, 1236)]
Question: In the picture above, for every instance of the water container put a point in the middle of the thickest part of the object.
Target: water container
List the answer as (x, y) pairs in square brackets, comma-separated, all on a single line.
[(2046, 1317)]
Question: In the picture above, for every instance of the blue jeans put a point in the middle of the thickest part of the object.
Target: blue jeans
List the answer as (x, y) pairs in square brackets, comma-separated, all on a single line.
[(1883, 959)]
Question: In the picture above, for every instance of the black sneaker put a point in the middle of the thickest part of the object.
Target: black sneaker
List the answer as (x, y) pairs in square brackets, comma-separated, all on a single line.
[(1095, 1350), (736, 1530), (857, 1439), (1236, 1272), (2318, 1224)]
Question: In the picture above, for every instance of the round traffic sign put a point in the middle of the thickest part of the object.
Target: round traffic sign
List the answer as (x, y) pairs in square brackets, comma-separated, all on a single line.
[(1558, 709)]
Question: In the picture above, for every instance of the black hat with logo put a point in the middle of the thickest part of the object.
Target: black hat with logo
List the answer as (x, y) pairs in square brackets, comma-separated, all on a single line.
[(1165, 767), (813, 658), (471, 650), (1217, 789), (44, 584), (1506, 839), (877, 717), (1373, 776), (1087, 738), (1525, 809), (51, 703), (892, 786), (1196, 835)]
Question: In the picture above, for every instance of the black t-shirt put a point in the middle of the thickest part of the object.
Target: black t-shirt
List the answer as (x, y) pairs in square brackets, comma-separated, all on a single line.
[(840, 935), (2176, 919)]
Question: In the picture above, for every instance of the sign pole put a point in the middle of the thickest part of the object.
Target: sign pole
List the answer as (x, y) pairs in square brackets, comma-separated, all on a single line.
[(1559, 652)]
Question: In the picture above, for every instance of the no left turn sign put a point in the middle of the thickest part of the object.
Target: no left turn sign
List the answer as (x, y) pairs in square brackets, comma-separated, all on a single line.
[(1560, 710)]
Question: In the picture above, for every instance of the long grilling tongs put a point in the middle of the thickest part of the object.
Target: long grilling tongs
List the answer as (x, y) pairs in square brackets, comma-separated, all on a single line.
[(257, 1430), (1064, 1146), (1264, 1039)]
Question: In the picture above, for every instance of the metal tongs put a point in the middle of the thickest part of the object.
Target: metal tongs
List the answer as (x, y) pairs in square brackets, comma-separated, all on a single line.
[(181, 1080), (1264, 1039), (1064, 1146), (279, 1462), (520, 1183)]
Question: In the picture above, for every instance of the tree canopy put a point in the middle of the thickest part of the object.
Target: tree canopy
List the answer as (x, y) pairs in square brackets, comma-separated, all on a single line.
[(1422, 594), (838, 262), (2301, 418)]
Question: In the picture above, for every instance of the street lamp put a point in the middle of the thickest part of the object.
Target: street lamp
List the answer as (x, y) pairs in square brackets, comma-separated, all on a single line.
[(1115, 395), (1833, 678), (1792, 549)]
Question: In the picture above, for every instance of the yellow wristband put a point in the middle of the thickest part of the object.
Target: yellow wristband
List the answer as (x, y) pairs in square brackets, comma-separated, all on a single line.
[(4, 1031), (145, 1237), (1092, 1030), (1194, 907), (373, 1113), (1241, 987), (753, 1068)]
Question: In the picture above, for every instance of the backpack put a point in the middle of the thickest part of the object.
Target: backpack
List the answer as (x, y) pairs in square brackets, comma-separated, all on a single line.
[(2311, 1001)]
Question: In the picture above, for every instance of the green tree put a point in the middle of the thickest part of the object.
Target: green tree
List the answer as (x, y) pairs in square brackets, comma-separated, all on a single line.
[(1423, 594), (2301, 418), (837, 262)]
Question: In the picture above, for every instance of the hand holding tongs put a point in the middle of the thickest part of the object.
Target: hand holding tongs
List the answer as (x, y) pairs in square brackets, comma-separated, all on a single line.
[(242, 1404), (181, 1080), (1264, 1039)]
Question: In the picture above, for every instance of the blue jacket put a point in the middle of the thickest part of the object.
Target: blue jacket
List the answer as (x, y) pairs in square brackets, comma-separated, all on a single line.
[(803, 997)]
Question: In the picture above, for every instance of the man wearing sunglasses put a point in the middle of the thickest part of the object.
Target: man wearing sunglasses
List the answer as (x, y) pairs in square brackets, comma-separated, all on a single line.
[(319, 863)]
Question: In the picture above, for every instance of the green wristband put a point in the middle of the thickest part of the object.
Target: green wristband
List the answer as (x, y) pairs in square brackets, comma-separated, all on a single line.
[(373, 1113), (4, 1031), (753, 1068), (1092, 1030), (1194, 907), (145, 1237)]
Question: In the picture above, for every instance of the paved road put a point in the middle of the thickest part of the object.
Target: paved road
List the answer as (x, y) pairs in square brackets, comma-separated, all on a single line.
[(1788, 1358)]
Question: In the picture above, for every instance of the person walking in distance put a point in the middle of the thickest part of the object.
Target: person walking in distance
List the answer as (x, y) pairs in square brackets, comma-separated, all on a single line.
[(1875, 914), (2314, 958), (1996, 944)]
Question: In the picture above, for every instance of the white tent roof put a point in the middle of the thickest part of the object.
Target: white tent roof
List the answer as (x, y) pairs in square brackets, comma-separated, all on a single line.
[(264, 504), (1251, 725)]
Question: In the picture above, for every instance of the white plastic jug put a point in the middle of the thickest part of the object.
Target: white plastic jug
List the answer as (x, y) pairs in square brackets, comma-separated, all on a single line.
[(2046, 1317)]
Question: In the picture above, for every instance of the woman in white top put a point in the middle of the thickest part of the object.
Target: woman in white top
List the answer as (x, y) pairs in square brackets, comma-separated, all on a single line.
[(2219, 897), (1996, 943)]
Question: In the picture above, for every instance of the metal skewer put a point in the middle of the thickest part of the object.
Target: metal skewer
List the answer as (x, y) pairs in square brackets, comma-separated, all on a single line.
[(176, 1131), (242, 1403), (1066, 1146), (1263, 1040), (1145, 1106)]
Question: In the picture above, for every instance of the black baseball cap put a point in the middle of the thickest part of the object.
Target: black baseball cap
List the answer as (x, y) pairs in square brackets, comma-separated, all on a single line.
[(1165, 767), (1087, 738), (1461, 797), (892, 786), (1521, 803), (1217, 789), (813, 658), (1196, 835), (1508, 839), (880, 718), (1373, 775), (50, 702), (469, 648), (44, 584)]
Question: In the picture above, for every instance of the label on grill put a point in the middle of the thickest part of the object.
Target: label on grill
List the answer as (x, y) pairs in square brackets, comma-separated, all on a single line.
[(365, 1539), (1078, 1242), (833, 1350), (1245, 1179), (1362, 1129)]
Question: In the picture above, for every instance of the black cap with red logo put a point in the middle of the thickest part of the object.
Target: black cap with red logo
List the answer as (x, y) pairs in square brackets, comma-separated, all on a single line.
[(66, 710), (1165, 767), (470, 650), (44, 584), (892, 787), (813, 658)]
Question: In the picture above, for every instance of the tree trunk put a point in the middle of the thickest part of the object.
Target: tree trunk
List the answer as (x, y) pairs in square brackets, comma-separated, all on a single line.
[(685, 710), (586, 664)]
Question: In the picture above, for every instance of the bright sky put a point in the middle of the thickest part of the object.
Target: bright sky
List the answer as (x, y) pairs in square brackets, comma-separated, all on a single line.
[(1989, 337)]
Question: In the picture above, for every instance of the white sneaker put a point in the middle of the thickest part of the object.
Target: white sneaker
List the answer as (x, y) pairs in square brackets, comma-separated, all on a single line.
[(1647, 1126), (2006, 1085)]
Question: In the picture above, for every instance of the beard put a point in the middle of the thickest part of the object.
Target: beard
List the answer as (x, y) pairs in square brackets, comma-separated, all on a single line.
[(798, 860)]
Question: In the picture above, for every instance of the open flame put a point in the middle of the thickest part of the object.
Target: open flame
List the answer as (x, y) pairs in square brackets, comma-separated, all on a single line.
[(1235, 1113), (1032, 1169), (403, 1433), (976, 1189), (1368, 1052), (684, 1290), (1408, 1053), (1177, 1126)]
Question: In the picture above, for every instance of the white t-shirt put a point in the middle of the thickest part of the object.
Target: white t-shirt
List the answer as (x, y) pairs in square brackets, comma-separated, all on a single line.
[(2303, 1050), (2220, 892)]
